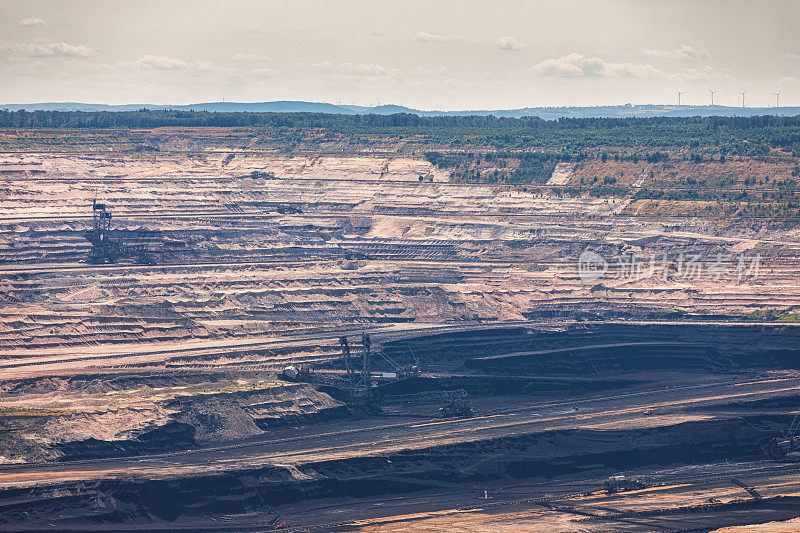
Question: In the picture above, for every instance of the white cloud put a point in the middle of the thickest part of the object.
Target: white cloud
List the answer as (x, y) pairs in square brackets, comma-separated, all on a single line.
[(427, 71), (683, 52), (509, 43), (32, 21), (789, 55), (707, 73), (61, 49), (250, 57), (204, 66), (426, 37), (579, 66), (687, 52), (264, 72), (354, 69), (790, 80), (153, 62), (166, 63)]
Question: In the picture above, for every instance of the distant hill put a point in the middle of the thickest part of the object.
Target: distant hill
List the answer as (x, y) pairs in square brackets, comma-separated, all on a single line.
[(548, 113), (274, 107)]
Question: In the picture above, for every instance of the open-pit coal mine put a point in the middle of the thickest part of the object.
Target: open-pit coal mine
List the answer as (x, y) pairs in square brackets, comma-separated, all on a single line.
[(225, 334)]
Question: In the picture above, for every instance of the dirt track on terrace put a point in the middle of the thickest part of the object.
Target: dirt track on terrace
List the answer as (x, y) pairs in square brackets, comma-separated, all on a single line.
[(145, 396), (391, 252)]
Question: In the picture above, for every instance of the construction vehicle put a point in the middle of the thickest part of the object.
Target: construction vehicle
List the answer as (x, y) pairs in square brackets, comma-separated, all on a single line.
[(364, 387), (779, 447), (458, 404), (458, 407), (108, 247), (104, 249), (294, 373), (277, 523), (361, 381), (621, 483), (261, 174), (288, 209), (352, 255)]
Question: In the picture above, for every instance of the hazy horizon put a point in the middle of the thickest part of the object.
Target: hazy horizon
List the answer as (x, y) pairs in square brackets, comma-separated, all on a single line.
[(392, 104)]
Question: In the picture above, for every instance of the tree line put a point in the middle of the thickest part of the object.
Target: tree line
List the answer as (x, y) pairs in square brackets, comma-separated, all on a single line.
[(752, 136)]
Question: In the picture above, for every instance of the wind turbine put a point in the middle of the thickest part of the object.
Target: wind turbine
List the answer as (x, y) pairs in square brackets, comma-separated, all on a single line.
[(712, 95), (743, 93), (679, 97), (777, 100)]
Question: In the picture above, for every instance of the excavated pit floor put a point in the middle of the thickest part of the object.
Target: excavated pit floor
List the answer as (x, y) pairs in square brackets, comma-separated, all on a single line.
[(681, 433), (145, 397)]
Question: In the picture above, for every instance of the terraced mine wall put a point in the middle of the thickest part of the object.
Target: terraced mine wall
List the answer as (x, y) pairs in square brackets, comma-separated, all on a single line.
[(373, 246), (603, 348), (548, 455), (95, 416), (171, 437), (486, 362)]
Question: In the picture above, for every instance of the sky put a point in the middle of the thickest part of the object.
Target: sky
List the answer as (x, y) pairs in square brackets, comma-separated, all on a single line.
[(431, 54)]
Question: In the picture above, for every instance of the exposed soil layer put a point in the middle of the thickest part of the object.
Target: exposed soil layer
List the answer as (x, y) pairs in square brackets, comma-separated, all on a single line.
[(134, 413), (576, 440), (550, 455), (94, 416), (373, 248), (153, 396), (597, 349)]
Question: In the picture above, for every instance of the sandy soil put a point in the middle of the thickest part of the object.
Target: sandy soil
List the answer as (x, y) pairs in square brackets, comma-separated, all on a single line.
[(433, 253), (238, 287)]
